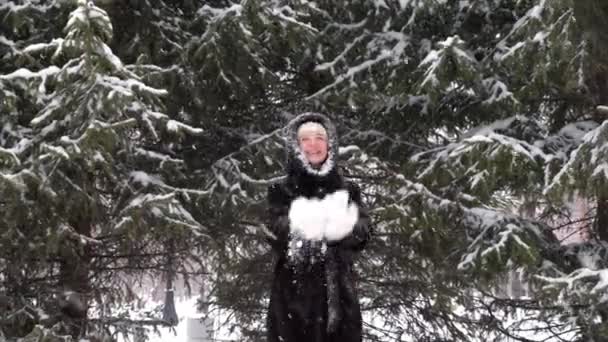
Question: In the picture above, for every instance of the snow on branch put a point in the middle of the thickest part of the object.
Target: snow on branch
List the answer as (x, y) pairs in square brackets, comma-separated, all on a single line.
[(486, 158), (39, 47), (90, 17), (13, 180), (220, 13), (154, 155), (145, 179), (141, 201), (128, 87), (341, 56), (252, 166), (12, 6), (491, 234), (51, 109), (8, 156), (505, 153), (56, 150), (393, 53), (586, 169), (586, 284), (28, 74), (279, 12), (437, 62), (176, 126), (498, 91), (81, 239)]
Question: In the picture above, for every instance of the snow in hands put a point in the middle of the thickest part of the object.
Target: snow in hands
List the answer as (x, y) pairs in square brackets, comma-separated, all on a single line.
[(331, 218)]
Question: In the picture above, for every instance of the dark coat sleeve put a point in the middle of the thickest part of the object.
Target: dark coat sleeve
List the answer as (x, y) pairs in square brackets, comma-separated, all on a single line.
[(363, 228), (277, 217)]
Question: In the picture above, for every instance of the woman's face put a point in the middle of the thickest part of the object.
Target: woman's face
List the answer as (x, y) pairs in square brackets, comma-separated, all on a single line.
[(314, 146)]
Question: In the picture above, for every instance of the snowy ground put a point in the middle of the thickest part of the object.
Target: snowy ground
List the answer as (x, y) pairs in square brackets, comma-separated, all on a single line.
[(188, 315), (185, 309), (185, 330)]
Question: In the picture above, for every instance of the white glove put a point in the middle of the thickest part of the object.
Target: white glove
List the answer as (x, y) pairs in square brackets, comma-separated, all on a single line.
[(307, 218), (341, 215)]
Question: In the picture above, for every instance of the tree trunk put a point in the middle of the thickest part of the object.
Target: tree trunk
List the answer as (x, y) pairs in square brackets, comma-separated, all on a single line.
[(74, 280), (169, 311)]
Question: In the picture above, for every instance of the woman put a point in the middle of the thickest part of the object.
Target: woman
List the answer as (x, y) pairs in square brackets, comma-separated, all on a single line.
[(317, 223)]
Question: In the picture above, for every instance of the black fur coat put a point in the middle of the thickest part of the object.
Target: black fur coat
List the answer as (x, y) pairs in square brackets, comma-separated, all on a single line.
[(314, 296)]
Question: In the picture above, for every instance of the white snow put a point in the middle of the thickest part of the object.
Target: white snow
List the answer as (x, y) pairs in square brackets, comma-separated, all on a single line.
[(431, 57), (157, 156), (10, 154), (342, 150), (435, 58), (452, 43), (341, 55), (537, 10), (587, 153), (123, 221), (220, 13), (148, 199), (511, 51), (33, 48), (145, 179), (26, 73), (380, 3), (78, 15), (404, 3), (492, 127), (6, 41), (47, 111), (105, 51), (48, 129), (589, 259), (188, 314), (129, 86), (540, 36), (293, 21), (57, 150), (394, 53), (138, 85), (330, 218), (577, 130), (576, 279), (307, 218), (478, 177), (498, 91), (13, 7), (176, 126), (341, 215)]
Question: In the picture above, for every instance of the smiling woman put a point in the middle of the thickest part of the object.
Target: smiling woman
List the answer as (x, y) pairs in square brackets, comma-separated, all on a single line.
[(312, 138), (318, 224)]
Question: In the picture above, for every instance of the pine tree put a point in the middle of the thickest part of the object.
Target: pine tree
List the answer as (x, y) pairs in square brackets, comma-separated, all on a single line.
[(472, 109), (94, 167), (466, 123)]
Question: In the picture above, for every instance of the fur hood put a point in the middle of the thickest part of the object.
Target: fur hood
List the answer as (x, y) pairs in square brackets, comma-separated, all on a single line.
[(296, 160)]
